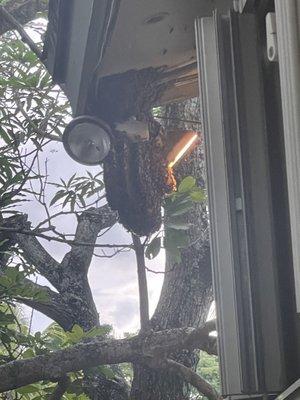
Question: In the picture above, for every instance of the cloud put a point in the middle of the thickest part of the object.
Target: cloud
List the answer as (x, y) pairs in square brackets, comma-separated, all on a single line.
[(113, 281)]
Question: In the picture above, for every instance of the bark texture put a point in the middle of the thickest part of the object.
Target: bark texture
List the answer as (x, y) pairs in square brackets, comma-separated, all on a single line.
[(23, 11), (97, 351), (73, 303), (187, 289)]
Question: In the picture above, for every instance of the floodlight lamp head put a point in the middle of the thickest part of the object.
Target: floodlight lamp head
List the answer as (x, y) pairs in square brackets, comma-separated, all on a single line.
[(87, 140)]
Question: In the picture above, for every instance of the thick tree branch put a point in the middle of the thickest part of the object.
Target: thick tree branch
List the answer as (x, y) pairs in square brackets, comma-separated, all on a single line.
[(54, 307), (90, 223), (23, 11), (98, 351), (191, 377), (142, 280), (36, 254), (59, 391), (33, 251), (14, 24)]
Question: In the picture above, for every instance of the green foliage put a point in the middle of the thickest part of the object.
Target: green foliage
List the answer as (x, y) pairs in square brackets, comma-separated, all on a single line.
[(14, 285), (176, 207), (75, 192), (32, 110), (15, 339), (53, 338), (127, 372), (14, 336), (29, 113), (208, 368), (153, 248)]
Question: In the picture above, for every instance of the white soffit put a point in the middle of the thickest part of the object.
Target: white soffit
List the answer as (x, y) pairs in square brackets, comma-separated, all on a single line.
[(154, 33)]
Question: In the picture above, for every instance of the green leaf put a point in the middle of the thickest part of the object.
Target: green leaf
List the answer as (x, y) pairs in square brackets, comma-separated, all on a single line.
[(81, 199), (29, 389), (198, 195), (2, 242), (29, 353), (178, 224), (75, 335), (153, 248), (5, 282), (176, 255), (41, 296), (107, 372), (6, 319), (180, 209), (59, 195), (186, 184), (67, 199), (175, 239), (98, 331), (71, 179)]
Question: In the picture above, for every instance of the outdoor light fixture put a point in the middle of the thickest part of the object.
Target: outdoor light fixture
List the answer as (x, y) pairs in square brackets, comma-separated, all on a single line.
[(87, 140)]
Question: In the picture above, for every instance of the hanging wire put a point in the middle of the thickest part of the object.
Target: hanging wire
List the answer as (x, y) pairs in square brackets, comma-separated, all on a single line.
[(179, 119)]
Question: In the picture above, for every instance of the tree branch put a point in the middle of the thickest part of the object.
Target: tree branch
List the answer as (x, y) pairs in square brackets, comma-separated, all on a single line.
[(54, 308), (22, 10), (191, 377), (32, 233), (142, 279), (62, 386), (90, 223), (33, 251), (97, 351), (14, 24)]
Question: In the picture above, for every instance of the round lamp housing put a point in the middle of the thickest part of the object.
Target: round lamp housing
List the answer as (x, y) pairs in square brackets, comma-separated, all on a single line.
[(87, 140)]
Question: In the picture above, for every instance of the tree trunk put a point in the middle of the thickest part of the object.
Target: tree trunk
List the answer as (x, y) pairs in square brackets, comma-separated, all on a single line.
[(187, 289)]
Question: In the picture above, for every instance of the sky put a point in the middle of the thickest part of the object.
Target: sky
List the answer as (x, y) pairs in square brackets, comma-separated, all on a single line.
[(113, 280)]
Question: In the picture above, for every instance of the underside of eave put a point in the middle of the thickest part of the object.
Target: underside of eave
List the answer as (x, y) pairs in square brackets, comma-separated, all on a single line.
[(121, 38)]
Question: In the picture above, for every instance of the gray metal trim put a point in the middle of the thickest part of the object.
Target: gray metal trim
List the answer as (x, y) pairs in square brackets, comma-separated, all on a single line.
[(288, 36), (227, 29), (57, 38), (103, 18), (259, 208), (243, 242), (291, 393), (221, 239)]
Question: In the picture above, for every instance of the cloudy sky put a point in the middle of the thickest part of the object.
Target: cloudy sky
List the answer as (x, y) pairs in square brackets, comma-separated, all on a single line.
[(113, 280)]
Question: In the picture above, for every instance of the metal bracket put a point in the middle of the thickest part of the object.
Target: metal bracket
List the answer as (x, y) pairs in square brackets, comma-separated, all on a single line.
[(271, 32)]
